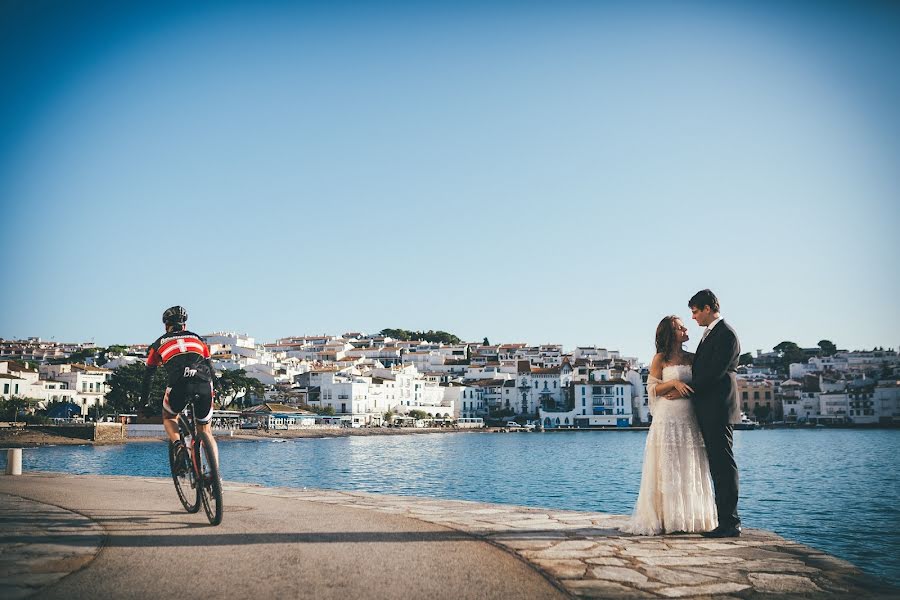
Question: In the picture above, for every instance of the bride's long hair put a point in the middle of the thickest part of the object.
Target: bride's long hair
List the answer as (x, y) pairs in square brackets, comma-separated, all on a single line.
[(665, 337)]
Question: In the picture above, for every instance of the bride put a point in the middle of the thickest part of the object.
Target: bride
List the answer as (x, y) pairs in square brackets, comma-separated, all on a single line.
[(676, 489)]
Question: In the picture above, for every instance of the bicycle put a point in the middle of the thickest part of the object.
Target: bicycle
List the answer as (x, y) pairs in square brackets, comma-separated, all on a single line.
[(197, 480)]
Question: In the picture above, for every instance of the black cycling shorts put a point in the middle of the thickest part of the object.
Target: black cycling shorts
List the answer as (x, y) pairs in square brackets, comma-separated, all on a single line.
[(177, 397)]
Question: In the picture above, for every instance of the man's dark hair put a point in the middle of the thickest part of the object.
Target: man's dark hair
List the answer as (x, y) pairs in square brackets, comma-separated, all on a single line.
[(704, 298)]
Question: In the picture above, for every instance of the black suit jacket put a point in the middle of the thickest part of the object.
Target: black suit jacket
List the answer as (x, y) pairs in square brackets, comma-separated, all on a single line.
[(715, 363)]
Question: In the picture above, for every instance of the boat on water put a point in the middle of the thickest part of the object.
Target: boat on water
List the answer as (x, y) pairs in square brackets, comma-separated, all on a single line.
[(746, 424)]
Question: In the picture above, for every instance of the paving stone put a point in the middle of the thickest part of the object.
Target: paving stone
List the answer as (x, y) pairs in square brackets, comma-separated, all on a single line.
[(688, 561), (572, 569), (643, 552), (574, 545), (719, 573), (777, 566), (620, 574), (676, 577), (595, 588), (718, 545), (825, 562), (606, 560), (700, 590), (782, 584), (525, 544), (554, 554)]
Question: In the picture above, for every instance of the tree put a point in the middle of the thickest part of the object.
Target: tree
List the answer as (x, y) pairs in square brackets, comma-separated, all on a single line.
[(10, 408), (326, 411), (761, 412), (428, 336), (418, 414), (828, 348), (80, 356), (124, 395), (789, 353), (231, 384), (486, 342), (746, 359)]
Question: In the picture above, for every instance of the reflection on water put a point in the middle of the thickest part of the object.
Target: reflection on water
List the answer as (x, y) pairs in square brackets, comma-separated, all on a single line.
[(833, 489)]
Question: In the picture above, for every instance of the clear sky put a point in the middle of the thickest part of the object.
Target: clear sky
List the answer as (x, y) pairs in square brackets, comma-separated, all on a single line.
[(565, 172)]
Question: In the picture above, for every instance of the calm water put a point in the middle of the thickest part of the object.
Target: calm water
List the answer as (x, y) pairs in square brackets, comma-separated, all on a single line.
[(837, 490)]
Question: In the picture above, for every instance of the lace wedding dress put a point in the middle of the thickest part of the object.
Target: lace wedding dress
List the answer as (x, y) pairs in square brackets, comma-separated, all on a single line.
[(676, 489)]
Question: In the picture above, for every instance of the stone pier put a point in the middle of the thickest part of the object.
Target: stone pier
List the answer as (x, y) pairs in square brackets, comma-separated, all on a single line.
[(332, 544)]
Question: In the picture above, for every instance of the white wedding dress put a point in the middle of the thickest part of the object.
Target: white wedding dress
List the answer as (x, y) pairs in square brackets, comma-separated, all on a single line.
[(676, 488)]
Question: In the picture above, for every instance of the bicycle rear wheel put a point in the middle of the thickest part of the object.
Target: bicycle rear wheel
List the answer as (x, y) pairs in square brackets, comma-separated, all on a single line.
[(210, 483), (183, 472)]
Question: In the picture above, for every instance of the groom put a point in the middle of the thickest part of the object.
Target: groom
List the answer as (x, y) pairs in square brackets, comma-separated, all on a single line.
[(716, 403)]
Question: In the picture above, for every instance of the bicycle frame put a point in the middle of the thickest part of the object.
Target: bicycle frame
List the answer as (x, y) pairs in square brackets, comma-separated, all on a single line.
[(204, 467)]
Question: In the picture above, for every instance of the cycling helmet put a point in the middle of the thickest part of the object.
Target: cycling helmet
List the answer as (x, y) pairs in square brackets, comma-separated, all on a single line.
[(175, 316)]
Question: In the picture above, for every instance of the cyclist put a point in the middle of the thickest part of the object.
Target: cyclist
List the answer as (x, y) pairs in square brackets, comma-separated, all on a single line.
[(185, 357)]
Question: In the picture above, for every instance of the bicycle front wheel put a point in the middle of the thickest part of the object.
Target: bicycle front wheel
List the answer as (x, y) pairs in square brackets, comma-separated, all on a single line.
[(183, 476), (210, 483)]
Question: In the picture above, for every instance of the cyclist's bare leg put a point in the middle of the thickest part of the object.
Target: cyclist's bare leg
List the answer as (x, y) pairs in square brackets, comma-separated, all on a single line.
[(170, 422), (213, 447)]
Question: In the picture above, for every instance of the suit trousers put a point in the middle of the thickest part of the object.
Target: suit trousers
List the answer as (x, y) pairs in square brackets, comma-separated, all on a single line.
[(718, 436)]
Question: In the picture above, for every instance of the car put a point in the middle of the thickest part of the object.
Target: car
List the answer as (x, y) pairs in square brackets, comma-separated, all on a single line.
[(512, 425)]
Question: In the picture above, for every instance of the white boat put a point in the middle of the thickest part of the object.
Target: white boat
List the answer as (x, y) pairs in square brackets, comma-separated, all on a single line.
[(746, 423)]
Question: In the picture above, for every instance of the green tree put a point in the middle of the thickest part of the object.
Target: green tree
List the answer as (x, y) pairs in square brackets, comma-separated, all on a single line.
[(746, 359), (12, 407), (426, 336), (761, 412), (827, 348), (486, 342), (789, 353), (124, 395), (327, 411), (80, 356), (235, 383), (418, 414)]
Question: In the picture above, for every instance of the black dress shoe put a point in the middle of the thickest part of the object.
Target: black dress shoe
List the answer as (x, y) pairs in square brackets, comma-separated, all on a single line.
[(723, 532)]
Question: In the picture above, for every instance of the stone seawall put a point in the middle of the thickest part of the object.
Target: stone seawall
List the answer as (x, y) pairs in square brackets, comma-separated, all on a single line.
[(101, 433)]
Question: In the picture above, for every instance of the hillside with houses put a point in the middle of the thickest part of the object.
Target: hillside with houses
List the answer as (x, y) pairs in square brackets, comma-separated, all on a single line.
[(371, 380)]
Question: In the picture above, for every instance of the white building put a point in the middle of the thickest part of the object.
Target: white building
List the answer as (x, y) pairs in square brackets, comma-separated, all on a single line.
[(887, 401), (834, 407), (89, 384)]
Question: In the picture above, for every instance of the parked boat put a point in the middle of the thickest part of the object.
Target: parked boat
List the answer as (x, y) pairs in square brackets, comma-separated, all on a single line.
[(746, 423)]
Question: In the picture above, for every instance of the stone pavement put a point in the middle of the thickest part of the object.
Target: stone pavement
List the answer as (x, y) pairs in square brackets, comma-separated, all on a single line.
[(579, 554), (58, 542)]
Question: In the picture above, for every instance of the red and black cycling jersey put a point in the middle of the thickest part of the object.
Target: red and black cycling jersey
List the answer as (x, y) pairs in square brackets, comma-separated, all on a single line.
[(183, 354)]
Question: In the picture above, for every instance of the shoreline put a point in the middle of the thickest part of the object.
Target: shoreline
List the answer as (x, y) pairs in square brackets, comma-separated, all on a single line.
[(36, 439)]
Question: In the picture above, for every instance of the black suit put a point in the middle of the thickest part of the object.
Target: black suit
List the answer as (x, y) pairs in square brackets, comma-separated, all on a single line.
[(715, 401)]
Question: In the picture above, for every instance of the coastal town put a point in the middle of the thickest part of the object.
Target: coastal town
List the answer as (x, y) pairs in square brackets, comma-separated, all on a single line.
[(359, 380)]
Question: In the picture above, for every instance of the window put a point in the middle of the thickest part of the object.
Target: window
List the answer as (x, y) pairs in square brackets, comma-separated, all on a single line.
[(756, 395), (768, 395), (5, 388), (744, 396)]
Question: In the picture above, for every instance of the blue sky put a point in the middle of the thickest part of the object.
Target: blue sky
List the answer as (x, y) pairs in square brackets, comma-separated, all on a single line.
[(565, 172)]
